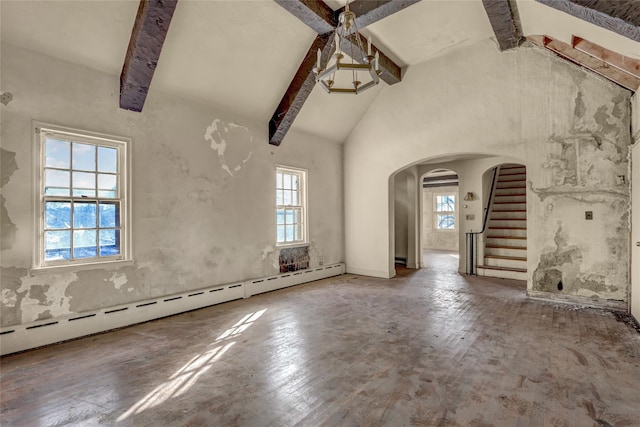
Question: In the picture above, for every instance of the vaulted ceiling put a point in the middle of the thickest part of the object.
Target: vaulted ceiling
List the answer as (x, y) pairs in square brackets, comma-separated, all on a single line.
[(241, 56)]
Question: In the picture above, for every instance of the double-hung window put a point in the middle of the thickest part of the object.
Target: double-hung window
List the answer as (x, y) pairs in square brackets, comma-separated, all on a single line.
[(291, 196), (445, 212), (82, 197)]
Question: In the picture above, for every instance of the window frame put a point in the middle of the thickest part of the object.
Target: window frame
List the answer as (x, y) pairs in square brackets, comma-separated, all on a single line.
[(123, 183), (436, 211), (303, 205)]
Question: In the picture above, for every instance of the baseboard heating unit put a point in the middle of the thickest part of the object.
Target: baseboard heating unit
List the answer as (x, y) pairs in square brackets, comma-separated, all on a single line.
[(37, 334)]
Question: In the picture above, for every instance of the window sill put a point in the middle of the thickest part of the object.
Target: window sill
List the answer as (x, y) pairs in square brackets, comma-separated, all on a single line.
[(291, 245), (80, 267)]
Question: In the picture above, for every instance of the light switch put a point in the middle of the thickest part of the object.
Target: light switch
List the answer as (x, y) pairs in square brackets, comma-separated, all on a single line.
[(588, 214)]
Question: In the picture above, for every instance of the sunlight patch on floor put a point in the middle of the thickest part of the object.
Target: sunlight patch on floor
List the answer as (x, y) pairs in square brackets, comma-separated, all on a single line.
[(185, 377)]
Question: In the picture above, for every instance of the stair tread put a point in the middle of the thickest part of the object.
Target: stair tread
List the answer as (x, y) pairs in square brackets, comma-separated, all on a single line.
[(509, 210), (509, 203), (506, 247), (512, 173), (511, 258), (508, 219), (511, 188), (508, 228), (507, 237), (510, 195), (490, 267)]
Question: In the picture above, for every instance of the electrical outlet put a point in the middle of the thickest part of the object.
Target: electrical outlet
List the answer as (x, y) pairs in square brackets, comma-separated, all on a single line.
[(470, 217), (588, 214)]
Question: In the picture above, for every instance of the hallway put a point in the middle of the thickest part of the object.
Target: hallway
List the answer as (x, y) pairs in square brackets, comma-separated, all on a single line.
[(429, 347)]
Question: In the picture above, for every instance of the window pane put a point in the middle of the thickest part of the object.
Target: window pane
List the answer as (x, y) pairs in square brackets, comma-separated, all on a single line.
[(294, 182), (289, 217), (296, 233), (107, 159), (84, 193), (446, 222), (294, 198), (57, 215), (84, 215), (54, 191), (278, 180), (57, 154), (280, 216), (287, 181), (84, 180), (54, 178), (84, 156), (109, 215), (289, 233), (107, 194), (84, 244), (280, 233), (107, 182), (287, 197), (109, 242), (57, 245), (279, 197)]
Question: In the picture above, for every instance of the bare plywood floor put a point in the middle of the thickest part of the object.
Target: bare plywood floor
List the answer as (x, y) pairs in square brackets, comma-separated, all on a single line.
[(429, 348)]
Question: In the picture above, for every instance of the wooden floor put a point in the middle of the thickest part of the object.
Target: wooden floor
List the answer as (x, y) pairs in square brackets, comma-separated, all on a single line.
[(429, 347)]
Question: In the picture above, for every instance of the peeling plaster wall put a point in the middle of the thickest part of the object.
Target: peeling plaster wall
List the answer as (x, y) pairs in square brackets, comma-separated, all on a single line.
[(567, 125), (203, 191)]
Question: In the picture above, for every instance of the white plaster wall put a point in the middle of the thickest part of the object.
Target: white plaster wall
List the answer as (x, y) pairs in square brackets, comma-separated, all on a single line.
[(525, 104), (635, 261), (401, 215), (201, 215)]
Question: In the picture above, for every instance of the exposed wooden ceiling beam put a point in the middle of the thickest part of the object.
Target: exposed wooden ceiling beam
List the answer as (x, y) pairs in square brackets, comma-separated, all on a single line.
[(299, 89), (503, 20), (391, 72), (370, 11), (315, 13), (597, 13), (323, 20), (627, 10), (624, 63), (596, 65), (147, 37)]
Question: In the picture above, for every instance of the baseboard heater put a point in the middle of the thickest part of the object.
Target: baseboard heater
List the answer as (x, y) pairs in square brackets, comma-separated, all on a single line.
[(37, 334)]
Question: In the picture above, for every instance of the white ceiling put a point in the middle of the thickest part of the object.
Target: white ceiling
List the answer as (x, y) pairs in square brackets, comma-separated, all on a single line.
[(241, 55)]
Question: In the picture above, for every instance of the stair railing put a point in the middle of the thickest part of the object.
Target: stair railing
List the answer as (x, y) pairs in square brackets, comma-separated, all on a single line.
[(472, 237)]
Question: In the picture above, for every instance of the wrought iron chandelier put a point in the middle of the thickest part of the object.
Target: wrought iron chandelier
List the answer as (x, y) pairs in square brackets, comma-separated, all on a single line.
[(334, 76)]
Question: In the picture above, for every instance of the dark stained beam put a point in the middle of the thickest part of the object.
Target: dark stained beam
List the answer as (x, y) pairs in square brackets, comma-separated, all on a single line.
[(370, 11), (391, 72), (315, 13), (147, 37), (504, 23), (597, 13), (627, 10), (299, 89)]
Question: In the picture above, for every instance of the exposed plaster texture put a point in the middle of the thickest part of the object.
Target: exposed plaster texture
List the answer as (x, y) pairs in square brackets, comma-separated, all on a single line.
[(217, 134), (203, 214), (569, 126)]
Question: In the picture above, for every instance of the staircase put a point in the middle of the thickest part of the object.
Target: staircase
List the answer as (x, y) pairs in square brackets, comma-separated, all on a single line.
[(505, 250)]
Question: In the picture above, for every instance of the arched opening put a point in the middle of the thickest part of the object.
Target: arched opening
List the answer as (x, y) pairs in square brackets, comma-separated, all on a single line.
[(413, 212)]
